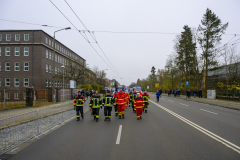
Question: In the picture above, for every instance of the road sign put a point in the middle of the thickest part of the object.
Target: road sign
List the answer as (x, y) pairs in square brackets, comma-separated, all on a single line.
[(72, 84), (147, 87), (187, 83), (156, 85)]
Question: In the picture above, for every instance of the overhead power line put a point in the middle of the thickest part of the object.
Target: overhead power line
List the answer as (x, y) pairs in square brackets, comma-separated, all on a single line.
[(81, 34), (91, 36)]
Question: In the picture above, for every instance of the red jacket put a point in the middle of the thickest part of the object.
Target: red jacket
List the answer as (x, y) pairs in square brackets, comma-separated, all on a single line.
[(79, 100), (120, 98), (139, 102)]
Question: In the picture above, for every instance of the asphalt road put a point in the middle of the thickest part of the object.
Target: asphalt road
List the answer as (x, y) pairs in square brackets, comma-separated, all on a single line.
[(172, 129)]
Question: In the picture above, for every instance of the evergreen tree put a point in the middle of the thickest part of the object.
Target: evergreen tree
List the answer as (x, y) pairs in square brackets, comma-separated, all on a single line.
[(211, 31)]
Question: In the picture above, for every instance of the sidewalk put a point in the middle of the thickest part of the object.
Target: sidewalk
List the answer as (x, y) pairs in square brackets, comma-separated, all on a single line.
[(221, 103), (16, 111)]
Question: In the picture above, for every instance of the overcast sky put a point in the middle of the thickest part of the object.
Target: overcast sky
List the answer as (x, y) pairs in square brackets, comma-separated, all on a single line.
[(132, 55)]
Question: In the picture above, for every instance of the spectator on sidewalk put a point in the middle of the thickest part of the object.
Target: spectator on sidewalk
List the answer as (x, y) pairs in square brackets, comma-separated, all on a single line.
[(160, 91), (195, 93), (157, 95), (200, 93)]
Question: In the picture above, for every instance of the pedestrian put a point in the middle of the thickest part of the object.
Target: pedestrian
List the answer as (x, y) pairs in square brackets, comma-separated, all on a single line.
[(78, 105), (115, 106), (160, 91), (145, 97), (134, 97), (139, 104), (194, 93), (157, 95), (108, 102), (200, 93), (175, 92), (82, 92), (93, 95), (121, 101), (96, 103), (127, 99), (187, 93), (130, 98)]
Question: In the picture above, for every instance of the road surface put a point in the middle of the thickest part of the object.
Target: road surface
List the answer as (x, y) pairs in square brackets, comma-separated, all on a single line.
[(172, 129)]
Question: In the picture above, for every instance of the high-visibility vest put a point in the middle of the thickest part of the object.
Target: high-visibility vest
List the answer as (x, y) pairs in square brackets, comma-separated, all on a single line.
[(108, 101)]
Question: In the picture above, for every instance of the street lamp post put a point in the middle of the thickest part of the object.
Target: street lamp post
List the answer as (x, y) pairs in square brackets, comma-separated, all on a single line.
[(54, 83), (63, 81)]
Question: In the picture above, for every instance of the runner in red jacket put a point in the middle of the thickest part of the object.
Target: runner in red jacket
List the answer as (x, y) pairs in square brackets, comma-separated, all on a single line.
[(121, 101)]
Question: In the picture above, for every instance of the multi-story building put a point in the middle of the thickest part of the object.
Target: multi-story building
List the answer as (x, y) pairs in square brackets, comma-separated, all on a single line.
[(26, 60)]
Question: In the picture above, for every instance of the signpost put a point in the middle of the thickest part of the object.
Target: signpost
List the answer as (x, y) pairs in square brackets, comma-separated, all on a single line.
[(147, 87), (187, 83), (156, 85), (72, 84)]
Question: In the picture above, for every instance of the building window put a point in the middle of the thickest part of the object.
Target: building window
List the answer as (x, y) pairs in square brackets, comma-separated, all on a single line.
[(55, 83), (50, 42), (17, 51), (26, 37), (25, 82), (7, 51), (50, 55), (58, 59), (0, 37), (58, 70), (16, 82), (26, 51), (0, 66), (0, 51), (46, 40), (7, 82), (46, 53), (16, 95), (50, 83), (46, 67), (17, 66), (46, 82), (58, 84), (50, 69), (7, 66), (0, 83), (8, 37), (55, 58), (26, 66), (17, 37), (55, 70), (7, 95)]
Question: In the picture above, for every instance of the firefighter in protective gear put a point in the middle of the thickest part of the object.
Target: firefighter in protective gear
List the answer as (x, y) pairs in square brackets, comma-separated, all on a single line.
[(108, 102), (134, 97), (96, 103), (78, 105), (115, 106), (139, 104), (130, 98), (121, 102), (93, 95), (127, 99), (145, 97)]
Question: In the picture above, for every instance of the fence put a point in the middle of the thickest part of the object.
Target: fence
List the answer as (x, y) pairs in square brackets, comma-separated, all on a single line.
[(18, 129)]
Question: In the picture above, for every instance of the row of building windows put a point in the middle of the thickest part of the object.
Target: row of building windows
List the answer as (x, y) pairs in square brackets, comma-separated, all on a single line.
[(16, 96), (49, 83), (16, 51), (17, 37), (63, 50), (16, 66), (49, 69), (16, 82), (59, 59)]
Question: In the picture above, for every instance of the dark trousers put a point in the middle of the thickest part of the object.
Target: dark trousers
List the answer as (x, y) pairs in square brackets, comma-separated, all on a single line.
[(116, 109), (200, 95), (134, 109), (79, 109), (146, 106), (107, 112), (96, 112), (157, 99)]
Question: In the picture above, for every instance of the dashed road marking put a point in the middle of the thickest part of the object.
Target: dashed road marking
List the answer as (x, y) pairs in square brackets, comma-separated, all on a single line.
[(119, 134), (208, 111), (201, 129), (183, 104)]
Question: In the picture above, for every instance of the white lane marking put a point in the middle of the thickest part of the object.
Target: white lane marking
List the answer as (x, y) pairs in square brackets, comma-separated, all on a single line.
[(208, 111), (201, 129), (170, 100), (14, 149), (119, 135), (183, 104)]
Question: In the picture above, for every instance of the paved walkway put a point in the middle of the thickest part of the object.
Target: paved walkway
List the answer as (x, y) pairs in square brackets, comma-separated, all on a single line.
[(216, 102), (16, 111)]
